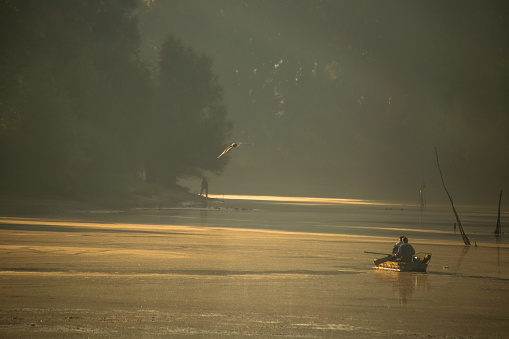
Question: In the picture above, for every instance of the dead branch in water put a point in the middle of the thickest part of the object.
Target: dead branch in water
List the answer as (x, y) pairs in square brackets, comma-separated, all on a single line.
[(498, 231), (465, 238)]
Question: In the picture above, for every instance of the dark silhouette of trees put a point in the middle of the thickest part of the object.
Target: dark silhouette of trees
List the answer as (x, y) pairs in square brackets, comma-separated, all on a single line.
[(72, 93), (80, 112), (352, 92), (189, 123)]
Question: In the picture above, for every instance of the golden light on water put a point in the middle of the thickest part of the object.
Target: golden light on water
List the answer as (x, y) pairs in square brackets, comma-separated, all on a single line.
[(300, 200)]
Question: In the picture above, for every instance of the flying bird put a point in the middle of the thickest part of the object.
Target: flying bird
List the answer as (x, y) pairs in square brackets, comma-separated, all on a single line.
[(235, 144)]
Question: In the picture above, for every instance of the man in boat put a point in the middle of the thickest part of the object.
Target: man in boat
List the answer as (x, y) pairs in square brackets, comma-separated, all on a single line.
[(405, 254), (405, 251), (397, 245)]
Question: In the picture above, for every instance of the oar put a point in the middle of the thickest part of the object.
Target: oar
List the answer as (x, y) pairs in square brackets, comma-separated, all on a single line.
[(376, 253)]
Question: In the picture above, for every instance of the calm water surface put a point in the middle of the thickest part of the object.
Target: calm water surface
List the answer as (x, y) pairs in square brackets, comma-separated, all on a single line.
[(464, 293)]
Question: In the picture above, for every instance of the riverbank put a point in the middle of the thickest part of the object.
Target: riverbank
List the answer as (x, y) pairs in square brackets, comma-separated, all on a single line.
[(29, 204)]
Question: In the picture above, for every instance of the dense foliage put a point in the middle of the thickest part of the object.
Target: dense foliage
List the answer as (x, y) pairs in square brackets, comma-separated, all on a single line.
[(187, 89), (80, 113), (349, 98)]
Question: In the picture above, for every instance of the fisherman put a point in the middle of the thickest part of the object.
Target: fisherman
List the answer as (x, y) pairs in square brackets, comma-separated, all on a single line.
[(397, 245), (405, 251)]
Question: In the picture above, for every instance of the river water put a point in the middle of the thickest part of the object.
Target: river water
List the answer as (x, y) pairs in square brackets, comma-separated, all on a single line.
[(254, 266)]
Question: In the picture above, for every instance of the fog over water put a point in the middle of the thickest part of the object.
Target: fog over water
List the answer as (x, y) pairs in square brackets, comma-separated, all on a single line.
[(348, 99)]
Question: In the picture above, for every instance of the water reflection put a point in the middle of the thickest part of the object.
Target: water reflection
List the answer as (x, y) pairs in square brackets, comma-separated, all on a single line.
[(464, 252), (404, 284), (203, 216), (497, 239)]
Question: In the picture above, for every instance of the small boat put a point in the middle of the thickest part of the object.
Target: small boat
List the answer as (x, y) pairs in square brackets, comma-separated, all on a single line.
[(418, 264)]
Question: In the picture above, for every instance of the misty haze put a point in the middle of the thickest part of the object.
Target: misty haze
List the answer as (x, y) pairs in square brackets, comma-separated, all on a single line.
[(342, 99), (347, 99), (236, 168)]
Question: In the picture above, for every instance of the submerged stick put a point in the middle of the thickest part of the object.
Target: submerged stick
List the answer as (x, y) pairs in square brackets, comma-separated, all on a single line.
[(464, 236), (498, 231)]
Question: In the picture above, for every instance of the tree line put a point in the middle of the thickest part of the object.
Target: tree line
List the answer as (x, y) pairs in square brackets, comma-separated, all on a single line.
[(350, 97), (81, 113)]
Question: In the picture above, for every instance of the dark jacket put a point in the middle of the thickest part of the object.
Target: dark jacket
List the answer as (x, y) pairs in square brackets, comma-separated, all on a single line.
[(396, 248), (405, 252)]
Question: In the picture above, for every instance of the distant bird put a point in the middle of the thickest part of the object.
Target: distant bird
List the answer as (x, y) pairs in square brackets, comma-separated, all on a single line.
[(235, 144)]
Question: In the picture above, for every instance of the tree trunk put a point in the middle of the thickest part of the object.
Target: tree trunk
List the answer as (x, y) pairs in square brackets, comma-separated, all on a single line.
[(498, 231), (465, 238)]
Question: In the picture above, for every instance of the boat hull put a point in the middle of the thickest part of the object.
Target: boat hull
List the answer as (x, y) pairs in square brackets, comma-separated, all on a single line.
[(403, 266), (418, 265)]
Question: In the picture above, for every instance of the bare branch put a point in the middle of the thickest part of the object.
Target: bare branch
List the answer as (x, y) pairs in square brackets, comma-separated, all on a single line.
[(465, 238)]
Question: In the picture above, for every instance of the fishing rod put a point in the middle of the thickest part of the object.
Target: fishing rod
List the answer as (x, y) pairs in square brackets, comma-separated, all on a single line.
[(377, 253)]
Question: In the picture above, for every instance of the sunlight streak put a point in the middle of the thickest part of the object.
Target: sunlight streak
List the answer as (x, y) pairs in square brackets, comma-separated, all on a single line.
[(301, 200)]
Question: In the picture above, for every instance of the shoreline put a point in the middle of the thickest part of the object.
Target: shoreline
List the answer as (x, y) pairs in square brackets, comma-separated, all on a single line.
[(29, 204)]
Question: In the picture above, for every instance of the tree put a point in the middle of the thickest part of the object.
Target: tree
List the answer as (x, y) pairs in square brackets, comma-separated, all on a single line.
[(189, 124), (72, 95), (463, 234), (363, 89)]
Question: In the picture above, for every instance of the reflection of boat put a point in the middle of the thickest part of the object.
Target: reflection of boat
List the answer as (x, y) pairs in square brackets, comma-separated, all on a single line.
[(418, 264), (404, 285)]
